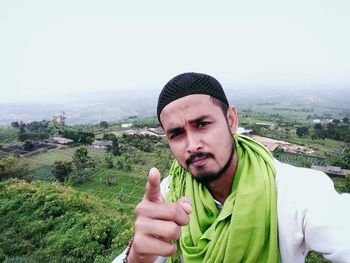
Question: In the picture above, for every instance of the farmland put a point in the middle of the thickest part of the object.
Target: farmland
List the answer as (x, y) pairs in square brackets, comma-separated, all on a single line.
[(127, 186), (7, 134), (61, 154)]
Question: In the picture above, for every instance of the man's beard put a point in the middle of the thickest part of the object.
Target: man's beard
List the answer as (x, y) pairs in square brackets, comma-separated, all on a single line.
[(206, 178)]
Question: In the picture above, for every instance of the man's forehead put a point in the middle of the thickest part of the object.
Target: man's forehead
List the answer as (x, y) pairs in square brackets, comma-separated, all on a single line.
[(186, 109), (193, 101)]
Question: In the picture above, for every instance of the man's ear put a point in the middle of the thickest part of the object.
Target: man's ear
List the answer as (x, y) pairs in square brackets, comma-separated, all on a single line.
[(232, 119)]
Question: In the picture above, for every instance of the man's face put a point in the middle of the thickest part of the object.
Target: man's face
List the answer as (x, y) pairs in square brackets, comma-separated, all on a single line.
[(199, 134)]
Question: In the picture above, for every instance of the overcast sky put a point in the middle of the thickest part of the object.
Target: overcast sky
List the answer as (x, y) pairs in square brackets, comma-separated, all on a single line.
[(50, 48)]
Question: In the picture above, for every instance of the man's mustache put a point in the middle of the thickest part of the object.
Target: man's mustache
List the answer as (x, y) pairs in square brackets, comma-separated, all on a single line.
[(199, 155)]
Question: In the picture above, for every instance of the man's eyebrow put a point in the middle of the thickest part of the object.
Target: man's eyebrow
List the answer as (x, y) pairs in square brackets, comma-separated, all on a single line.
[(174, 130), (196, 120), (199, 119)]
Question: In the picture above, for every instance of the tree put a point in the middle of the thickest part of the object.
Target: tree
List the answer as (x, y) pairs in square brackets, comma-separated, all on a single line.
[(22, 136), (11, 166), (61, 170), (319, 132), (114, 149), (62, 118), (79, 136), (345, 119), (302, 131), (28, 145), (348, 183), (81, 158), (109, 137), (109, 161), (15, 124), (104, 124), (339, 159)]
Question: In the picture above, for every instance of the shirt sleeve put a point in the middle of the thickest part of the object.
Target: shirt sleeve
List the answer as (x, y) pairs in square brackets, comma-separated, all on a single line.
[(312, 216), (327, 226)]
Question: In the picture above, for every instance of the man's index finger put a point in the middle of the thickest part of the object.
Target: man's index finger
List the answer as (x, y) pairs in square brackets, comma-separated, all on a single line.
[(152, 192)]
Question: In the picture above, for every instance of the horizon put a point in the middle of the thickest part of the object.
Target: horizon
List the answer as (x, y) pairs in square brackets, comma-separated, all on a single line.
[(112, 106), (67, 97)]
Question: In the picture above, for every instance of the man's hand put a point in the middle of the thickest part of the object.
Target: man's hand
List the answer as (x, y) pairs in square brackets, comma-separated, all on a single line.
[(157, 223)]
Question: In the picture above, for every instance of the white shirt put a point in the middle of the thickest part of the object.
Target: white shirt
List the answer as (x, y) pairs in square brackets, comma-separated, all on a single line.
[(311, 216)]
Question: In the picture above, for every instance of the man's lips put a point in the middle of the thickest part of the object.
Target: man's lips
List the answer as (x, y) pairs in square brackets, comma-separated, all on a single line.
[(199, 161), (199, 158)]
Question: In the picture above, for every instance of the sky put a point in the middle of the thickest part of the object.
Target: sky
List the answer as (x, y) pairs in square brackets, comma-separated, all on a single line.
[(61, 48)]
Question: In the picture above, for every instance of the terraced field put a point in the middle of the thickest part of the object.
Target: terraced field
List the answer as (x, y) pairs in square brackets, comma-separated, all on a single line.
[(124, 186), (300, 160), (62, 154), (7, 134)]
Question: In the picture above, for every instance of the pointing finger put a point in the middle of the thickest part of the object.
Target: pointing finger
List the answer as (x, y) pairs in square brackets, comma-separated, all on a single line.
[(152, 192)]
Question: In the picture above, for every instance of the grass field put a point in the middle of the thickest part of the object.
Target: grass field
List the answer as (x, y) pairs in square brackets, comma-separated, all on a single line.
[(62, 154), (127, 187), (7, 134)]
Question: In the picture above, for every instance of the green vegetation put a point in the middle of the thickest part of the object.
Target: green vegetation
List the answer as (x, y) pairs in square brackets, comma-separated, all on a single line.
[(47, 222), (79, 204), (117, 182), (7, 134), (11, 166), (42, 173), (298, 159)]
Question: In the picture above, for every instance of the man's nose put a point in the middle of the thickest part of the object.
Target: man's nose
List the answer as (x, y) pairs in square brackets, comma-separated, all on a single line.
[(194, 143)]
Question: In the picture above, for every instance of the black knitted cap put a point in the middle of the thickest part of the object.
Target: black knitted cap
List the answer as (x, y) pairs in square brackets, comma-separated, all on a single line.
[(187, 84)]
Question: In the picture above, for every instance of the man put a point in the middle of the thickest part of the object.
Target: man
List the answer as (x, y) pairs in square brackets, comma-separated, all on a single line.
[(226, 199)]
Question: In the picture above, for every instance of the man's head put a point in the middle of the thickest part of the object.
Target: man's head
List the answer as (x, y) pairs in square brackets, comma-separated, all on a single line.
[(188, 84), (198, 122)]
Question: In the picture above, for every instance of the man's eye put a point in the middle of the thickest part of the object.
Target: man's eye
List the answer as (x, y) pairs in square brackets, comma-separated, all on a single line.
[(202, 124), (174, 135)]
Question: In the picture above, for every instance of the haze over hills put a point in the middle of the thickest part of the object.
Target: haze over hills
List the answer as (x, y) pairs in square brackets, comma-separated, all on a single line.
[(113, 106)]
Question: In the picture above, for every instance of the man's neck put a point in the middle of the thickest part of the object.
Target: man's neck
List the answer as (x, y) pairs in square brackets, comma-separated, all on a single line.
[(220, 189)]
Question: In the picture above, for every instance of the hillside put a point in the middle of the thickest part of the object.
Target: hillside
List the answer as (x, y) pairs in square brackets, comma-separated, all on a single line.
[(295, 102), (48, 222)]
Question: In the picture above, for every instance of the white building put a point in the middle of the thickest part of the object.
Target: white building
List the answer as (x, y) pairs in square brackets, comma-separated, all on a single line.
[(101, 144), (126, 125)]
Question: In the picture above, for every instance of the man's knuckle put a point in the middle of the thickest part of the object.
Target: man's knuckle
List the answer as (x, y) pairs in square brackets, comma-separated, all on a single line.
[(139, 209), (173, 211), (169, 249), (186, 219), (174, 231), (139, 225)]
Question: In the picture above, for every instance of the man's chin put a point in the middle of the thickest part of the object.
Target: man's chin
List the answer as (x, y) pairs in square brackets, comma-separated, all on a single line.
[(205, 178)]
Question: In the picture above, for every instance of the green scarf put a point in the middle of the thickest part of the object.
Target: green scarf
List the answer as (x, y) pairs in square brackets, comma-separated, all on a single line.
[(245, 230)]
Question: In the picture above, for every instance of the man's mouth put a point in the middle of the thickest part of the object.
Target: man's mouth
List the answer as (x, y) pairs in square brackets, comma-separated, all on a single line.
[(199, 159)]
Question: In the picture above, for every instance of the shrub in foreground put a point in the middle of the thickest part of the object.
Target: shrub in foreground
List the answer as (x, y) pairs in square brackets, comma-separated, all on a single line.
[(52, 223)]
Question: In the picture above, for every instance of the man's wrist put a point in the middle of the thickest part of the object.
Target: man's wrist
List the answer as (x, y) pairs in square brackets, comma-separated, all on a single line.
[(125, 260)]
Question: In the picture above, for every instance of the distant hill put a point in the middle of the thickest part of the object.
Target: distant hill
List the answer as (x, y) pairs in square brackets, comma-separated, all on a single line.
[(113, 106)]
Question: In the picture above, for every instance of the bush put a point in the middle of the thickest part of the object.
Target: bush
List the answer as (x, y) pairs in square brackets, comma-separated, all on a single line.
[(17, 260), (79, 176), (61, 170), (28, 145), (81, 159), (48, 222), (339, 159), (109, 161), (2, 255), (11, 166)]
